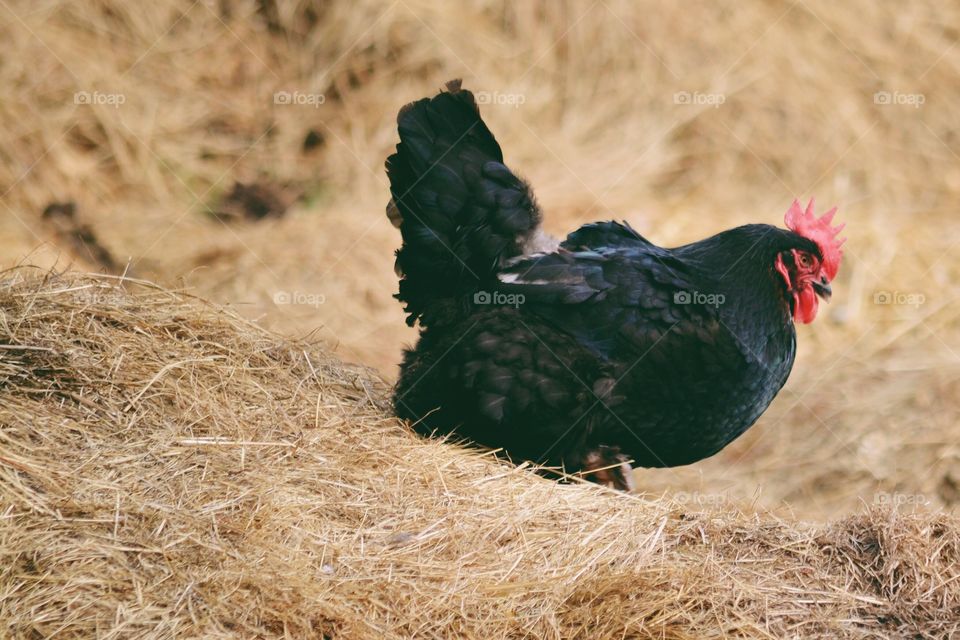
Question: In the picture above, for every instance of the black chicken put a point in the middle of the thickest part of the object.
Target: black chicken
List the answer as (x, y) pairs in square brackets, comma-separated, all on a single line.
[(596, 352)]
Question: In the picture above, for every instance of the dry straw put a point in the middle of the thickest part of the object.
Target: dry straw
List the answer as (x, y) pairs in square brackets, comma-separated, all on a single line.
[(871, 406), (168, 469)]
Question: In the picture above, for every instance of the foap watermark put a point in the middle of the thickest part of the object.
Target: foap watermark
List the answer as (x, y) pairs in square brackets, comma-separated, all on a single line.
[(299, 298), (901, 298), (900, 499), (696, 297), (700, 499), (496, 298), (100, 98), (495, 97), (901, 99), (699, 98), (299, 99), (103, 295)]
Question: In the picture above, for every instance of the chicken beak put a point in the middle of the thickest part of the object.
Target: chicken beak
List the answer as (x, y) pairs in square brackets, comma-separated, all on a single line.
[(822, 288)]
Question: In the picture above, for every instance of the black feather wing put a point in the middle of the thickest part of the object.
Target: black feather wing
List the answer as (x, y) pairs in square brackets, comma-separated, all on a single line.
[(621, 300)]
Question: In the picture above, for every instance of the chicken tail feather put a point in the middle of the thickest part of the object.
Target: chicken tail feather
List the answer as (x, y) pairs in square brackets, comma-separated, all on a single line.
[(461, 212)]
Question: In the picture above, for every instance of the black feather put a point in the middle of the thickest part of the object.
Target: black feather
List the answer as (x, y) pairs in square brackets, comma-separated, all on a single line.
[(609, 344)]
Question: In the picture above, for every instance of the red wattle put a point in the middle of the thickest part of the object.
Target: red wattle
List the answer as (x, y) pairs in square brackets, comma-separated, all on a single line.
[(805, 305)]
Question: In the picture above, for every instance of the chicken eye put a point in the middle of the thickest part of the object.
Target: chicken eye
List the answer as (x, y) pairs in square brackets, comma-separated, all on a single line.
[(804, 260)]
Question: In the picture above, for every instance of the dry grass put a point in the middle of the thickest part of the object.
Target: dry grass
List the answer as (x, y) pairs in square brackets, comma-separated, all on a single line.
[(870, 410), (867, 421), (168, 469)]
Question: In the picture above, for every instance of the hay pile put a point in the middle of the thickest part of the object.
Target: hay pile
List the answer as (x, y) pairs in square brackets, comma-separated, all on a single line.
[(169, 469), (869, 412)]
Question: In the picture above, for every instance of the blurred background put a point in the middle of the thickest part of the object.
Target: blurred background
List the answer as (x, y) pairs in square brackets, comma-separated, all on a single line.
[(235, 150)]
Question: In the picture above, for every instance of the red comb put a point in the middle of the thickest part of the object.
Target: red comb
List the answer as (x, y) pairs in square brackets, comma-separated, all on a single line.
[(819, 230)]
